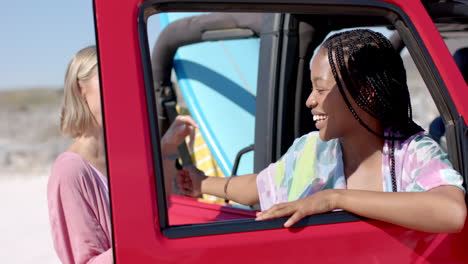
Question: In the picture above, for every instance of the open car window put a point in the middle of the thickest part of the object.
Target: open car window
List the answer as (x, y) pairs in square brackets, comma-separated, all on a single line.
[(246, 83), (205, 65), (211, 74)]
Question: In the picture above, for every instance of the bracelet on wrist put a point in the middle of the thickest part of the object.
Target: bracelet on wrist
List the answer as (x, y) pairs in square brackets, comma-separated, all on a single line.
[(226, 197)]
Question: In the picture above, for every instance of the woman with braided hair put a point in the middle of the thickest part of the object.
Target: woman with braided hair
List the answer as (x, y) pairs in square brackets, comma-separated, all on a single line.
[(368, 157)]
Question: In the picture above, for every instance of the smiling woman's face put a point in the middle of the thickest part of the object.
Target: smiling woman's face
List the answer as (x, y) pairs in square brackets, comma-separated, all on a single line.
[(330, 112)]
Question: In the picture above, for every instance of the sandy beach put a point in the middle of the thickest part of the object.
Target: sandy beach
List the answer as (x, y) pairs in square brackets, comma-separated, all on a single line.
[(25, 224), (29, 142)]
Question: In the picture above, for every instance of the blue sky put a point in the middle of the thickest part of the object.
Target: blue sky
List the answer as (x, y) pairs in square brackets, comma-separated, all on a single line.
[(39, 38)]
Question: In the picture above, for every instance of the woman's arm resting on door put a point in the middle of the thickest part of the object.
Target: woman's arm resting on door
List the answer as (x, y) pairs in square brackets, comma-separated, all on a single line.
[(439, 210)]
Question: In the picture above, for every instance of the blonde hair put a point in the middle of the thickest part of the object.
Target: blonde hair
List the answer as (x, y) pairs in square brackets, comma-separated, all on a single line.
[(76, 116)]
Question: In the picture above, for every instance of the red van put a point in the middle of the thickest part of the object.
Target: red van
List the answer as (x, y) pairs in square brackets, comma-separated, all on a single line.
[(147, 230)]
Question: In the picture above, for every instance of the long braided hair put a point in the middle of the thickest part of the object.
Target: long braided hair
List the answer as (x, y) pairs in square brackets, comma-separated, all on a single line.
[(366, 64)]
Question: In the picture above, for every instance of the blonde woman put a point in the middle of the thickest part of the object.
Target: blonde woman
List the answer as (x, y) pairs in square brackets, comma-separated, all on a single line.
[(78, 194)]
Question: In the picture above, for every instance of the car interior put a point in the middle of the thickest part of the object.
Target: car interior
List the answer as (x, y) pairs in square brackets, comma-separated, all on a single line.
[(302, 34)]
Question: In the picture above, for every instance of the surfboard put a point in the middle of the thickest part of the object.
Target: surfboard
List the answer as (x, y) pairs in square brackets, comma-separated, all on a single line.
[(218, 80)]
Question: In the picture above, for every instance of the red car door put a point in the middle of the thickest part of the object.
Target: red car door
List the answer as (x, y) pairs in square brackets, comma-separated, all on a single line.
[(141, 233)]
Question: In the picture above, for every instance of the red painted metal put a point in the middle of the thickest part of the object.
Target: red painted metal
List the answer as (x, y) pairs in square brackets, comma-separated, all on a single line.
[(136, 234), (187, 210)]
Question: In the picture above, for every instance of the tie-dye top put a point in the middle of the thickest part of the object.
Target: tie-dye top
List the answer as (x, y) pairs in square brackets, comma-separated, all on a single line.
[(311, 165)]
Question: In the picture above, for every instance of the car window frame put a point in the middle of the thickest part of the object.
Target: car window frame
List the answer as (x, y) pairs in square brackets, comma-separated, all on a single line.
[(412, 40)]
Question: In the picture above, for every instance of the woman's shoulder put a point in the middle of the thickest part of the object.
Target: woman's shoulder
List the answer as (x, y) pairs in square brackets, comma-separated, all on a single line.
[(70, 160), (421, 142), (426, 165), (68, 167), (421, 149), (300, 142)]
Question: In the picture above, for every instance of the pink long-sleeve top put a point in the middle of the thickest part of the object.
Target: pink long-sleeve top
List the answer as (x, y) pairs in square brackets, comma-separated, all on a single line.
[(79, 211)]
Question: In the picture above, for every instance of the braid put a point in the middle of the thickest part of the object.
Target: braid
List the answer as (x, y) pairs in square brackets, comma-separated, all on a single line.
[(366, 64)]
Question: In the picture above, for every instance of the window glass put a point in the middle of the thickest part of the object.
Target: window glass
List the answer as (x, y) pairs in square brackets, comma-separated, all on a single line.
[(425, 112), (452, 24)]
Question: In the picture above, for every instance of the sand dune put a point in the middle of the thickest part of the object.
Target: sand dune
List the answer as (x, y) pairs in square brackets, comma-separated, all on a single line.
[(29, 135)]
